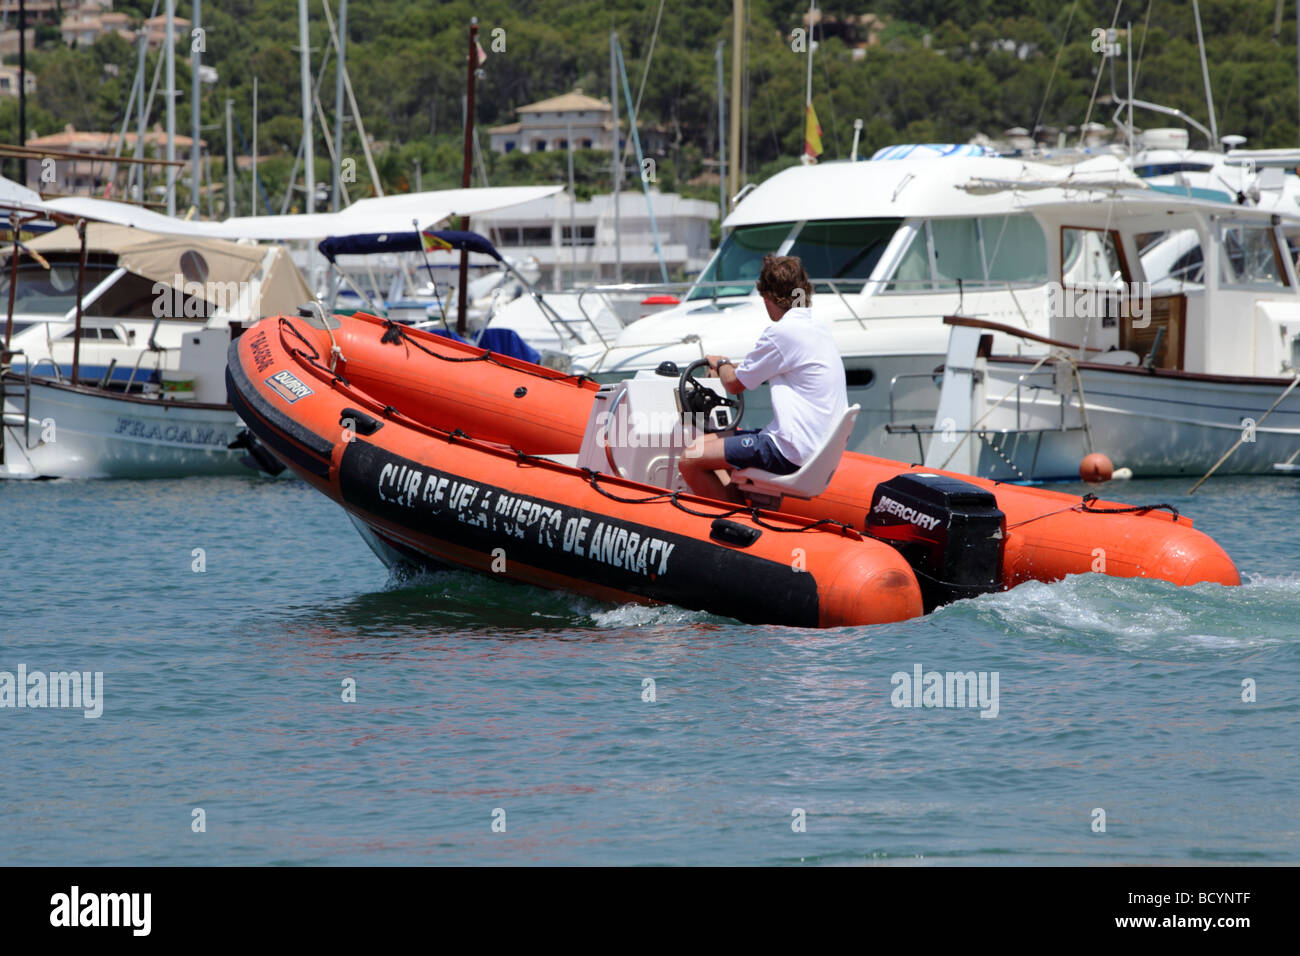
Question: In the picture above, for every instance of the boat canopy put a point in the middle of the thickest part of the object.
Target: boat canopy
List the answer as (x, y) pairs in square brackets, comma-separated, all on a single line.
[(365, 215), (180, 261), (370, 243)]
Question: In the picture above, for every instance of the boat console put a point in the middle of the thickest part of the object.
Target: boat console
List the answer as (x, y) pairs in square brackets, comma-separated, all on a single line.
[(639, 428)]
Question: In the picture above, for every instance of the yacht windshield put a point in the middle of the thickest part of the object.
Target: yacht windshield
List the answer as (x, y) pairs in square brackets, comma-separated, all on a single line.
[(838, 252), (844, 251), (52, 291), (734, 268)]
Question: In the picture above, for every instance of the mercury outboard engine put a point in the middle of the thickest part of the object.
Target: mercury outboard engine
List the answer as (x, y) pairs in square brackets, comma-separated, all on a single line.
[(951, 532)]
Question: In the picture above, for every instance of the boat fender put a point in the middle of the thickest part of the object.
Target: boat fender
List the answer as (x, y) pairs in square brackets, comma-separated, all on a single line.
[(729, 532), (951, 532)]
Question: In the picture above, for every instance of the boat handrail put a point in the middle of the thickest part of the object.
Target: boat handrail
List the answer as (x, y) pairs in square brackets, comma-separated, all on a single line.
[(894, 381), (27, 393), (973, 323), (156, 353)]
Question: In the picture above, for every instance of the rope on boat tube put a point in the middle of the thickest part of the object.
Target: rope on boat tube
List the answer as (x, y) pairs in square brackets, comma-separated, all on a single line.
[(749, 511), (1083, 508), (395, 334), (1127, 509), (314, 358)]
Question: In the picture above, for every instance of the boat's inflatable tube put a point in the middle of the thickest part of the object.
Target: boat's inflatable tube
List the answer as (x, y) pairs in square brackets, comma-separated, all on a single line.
[(361, 432), (1049, 534)]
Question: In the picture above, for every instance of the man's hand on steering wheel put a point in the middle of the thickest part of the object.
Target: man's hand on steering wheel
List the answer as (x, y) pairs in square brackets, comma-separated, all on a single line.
[(695, 399), (714, 361)]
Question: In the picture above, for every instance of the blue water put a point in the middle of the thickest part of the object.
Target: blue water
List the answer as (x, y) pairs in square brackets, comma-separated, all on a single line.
[(222, 691)]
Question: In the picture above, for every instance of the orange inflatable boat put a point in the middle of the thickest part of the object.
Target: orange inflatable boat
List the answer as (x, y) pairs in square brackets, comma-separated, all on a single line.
[(446, 455)]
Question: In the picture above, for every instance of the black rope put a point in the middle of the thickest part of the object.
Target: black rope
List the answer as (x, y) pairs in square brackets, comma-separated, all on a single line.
[(593, 478), (286, 324), (314, 359), (750, 511), (1083, 508), (1130, 509), (395, 333), (524, 458)]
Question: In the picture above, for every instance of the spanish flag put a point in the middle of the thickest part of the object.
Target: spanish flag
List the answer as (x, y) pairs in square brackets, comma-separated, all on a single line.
[(432, 242), (812, 136)]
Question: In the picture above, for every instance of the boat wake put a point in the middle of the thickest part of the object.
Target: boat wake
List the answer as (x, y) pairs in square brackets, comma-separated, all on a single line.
[(1142, 617)]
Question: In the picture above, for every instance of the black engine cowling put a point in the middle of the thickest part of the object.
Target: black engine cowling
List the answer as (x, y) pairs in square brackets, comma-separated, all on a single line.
[(951, 532)]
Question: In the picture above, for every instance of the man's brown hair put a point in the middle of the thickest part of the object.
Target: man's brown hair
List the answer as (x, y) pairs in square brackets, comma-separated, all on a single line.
[(783, 280)]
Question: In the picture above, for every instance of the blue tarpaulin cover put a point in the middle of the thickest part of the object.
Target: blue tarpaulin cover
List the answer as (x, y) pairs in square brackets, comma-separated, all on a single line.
[(364, 244), (508, 342), (501, 341)]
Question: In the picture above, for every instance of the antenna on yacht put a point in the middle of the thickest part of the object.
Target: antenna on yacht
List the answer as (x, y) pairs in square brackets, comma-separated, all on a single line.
[(1205, 74), (1128, 46)]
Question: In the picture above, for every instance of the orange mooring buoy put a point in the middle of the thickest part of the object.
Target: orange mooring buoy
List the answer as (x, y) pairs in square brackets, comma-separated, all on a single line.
[(1096, 468)]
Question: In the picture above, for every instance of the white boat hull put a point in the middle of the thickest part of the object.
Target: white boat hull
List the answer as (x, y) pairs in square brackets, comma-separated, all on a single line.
[(83, 432), (1162, 424)]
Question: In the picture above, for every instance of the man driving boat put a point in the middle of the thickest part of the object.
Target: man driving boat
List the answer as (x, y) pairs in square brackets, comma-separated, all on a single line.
[(798, 358)]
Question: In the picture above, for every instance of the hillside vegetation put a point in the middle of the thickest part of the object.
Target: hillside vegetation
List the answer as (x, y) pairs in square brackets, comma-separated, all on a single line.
[(942, 71)]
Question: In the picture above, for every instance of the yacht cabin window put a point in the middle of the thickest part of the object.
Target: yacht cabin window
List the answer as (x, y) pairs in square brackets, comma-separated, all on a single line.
[(53, 291), (977, 250), (838, 254), (1250, 256), (734, 268), (1172, 260), (1091, 257)]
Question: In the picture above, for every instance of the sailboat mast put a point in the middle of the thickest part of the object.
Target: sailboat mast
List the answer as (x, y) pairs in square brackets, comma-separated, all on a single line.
[(22, 87), (338, 101), (722, 139), (309, 156), (737, 44), (462, 299), (230, 161), (617, 164), (812, 14), (252, 203), (1205, 73), (195, 57), (170, 57)]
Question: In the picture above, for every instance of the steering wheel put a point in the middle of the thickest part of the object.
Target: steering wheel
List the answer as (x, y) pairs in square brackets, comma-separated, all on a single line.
[(701, 401)]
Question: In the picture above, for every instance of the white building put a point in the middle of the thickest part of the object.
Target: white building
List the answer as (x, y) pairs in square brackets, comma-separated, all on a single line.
[(582, 249), (548, 124), (9, 81)]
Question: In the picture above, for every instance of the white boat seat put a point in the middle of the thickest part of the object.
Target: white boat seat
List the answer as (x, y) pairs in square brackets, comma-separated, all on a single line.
[(813, 475)]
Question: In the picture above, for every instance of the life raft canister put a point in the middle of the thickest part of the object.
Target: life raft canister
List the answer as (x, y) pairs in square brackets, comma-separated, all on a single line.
[(951, 532)]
